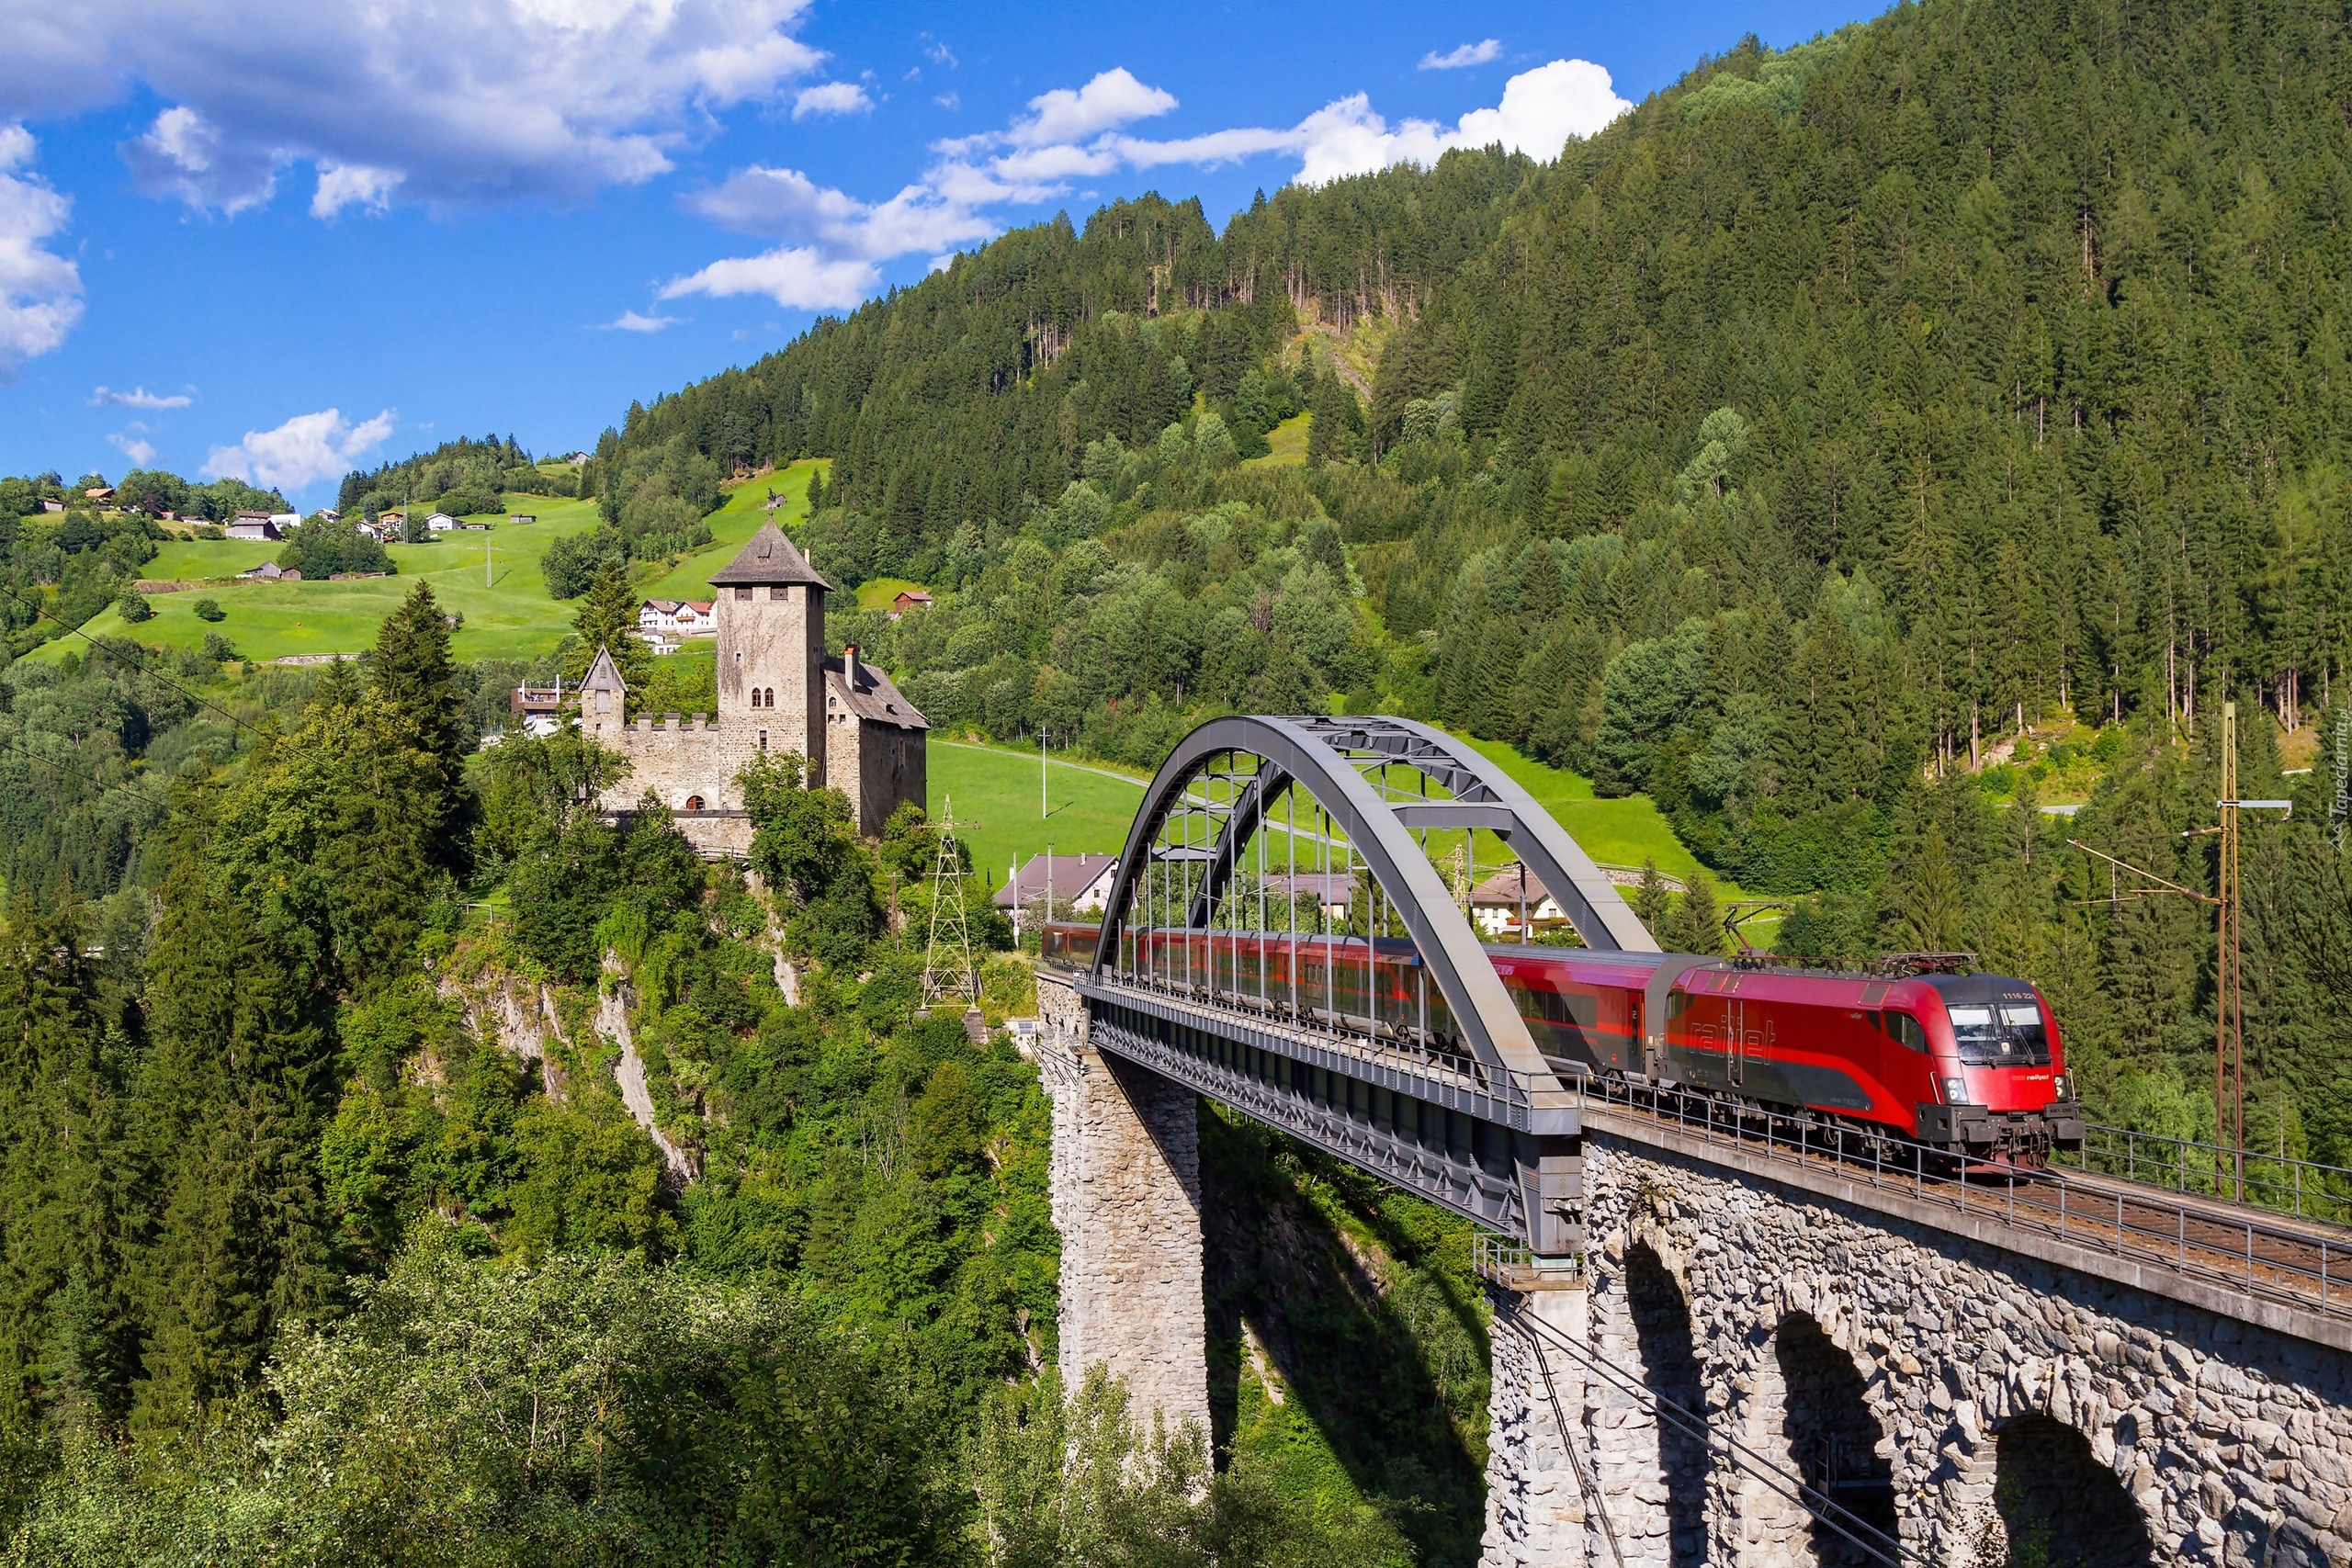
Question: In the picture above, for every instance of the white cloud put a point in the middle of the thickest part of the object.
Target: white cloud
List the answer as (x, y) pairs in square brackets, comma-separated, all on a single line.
[(305, 450), (438, 101), (352, 185), (141, 453), (1463, 55), (784, 204), (630, 322), (1112, 100), (1541, 109), (949, 101), (937, 53), (831, 98), (41, 291), (138, 398), (797, 277), (829, 244), (183, 155)]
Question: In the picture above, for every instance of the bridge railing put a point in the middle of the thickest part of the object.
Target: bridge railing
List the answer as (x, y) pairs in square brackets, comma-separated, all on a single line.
[(2306, 1265), (1363, 1001), (2306, 1189)]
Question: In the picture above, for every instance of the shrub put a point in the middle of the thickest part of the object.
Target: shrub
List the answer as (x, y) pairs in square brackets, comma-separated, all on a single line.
[(209, 610), (220, 649), (133, 607)]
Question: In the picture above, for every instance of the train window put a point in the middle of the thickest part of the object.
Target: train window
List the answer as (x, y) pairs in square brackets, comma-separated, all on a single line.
[(1552, 1007), (2025, 1023), (1677, 1004), (1979, 1036), (1907, 1030)]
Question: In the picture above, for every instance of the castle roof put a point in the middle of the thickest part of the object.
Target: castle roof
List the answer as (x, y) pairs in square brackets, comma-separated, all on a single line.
[(603, 675), (872, 695), (768, 557)]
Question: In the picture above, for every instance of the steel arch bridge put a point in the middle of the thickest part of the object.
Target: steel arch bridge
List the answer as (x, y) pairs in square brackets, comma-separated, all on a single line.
[(1413, 1061)]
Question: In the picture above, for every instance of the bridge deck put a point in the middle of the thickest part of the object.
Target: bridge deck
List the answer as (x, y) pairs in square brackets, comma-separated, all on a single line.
[(2295, 1276)]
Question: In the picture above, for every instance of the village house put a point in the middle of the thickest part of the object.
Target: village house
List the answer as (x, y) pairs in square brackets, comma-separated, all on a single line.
[(440, 523), (908, 599), (522, 517), (282, 521), (778, 691), (1498, 904), (251, 525), (270, 572), (1079, 884)]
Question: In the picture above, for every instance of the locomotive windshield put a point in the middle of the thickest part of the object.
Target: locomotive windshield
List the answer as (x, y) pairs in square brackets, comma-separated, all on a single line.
[(2000, 1034)]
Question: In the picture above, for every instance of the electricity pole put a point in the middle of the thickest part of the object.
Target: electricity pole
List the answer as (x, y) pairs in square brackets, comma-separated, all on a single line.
[(2229, 1001), (1043, 810)]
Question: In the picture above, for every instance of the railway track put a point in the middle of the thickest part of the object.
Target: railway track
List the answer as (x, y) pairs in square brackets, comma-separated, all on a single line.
[(2303, 1262)]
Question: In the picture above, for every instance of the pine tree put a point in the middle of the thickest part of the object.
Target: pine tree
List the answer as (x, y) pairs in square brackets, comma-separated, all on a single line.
[(416, 681), (232, 1102), (1652, 903), (1696, 924), (608, 620)]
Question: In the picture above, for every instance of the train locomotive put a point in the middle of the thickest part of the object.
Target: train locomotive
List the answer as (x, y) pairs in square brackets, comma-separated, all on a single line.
[(1968, 1063)]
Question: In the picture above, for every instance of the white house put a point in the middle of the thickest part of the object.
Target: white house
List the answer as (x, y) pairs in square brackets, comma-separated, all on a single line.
[(440, 523), (696, 617), (658, 616), (1080, 884), (1497, 903), (522, 517), (285, 520)]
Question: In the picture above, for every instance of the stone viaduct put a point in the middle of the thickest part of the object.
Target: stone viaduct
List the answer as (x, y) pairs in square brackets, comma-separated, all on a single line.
[(1748, 1356)]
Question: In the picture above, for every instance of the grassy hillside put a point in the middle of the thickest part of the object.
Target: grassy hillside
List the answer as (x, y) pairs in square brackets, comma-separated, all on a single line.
[(507, 612), (734, 523), (996, 790)]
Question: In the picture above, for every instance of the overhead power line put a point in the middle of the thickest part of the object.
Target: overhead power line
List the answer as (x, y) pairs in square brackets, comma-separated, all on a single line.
[(36, 607)]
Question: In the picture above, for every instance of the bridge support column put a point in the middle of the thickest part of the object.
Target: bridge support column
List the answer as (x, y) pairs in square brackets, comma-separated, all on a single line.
[(1537, 1512), (1126, 1199)]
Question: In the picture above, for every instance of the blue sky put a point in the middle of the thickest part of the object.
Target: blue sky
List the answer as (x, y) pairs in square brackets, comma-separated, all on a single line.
[(280, 240)]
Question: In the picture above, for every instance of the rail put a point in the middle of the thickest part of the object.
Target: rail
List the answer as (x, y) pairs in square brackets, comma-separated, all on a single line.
[(2300, 1267), (2305, 1188)]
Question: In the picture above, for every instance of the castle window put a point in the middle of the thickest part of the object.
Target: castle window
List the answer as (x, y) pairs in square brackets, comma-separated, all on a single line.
[(755, 696), (743, 594), (771, 702), (763, 740), (779, 595), (694, 802)]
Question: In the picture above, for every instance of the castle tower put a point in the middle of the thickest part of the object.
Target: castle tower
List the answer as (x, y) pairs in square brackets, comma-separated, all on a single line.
[(771, 611)]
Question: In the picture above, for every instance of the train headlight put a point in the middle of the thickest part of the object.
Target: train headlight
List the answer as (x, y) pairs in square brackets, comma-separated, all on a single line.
[(1955, 1091), (2058, 1086)]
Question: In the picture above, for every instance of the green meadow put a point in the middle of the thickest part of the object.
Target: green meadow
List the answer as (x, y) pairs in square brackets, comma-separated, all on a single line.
[(492, 580), (996, 791)]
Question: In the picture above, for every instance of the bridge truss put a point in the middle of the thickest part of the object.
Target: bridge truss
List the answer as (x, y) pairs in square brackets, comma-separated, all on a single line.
[(1280, 938)]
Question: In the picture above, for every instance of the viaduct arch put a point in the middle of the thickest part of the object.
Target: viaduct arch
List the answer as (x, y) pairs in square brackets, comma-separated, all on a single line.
[(1699, 1355)]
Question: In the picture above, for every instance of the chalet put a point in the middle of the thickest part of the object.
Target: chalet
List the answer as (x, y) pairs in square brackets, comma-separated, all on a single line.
[(440, 523), (522, 517), (100, 493), (270, 572), (1079, 884), (658, 616), (53, 506), (1511, 904), (908, 599), (328, 513), (251, 525), (1332, 891), (696, 617)]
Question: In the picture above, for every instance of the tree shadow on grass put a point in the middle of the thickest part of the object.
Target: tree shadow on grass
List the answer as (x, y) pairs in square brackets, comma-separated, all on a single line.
[(1384, 1356)]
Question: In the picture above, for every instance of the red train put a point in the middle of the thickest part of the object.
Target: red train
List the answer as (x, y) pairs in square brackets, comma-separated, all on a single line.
[(1969, 1063)]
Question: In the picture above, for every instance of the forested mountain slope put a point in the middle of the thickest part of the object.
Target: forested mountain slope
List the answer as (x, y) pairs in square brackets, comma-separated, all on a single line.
[(1786, 451)]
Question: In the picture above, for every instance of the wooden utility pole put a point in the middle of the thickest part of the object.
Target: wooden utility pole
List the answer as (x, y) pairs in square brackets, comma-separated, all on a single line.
[(2229, 1001)]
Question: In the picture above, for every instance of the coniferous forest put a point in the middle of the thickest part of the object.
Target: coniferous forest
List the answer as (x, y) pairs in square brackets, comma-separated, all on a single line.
[(1855, 450)]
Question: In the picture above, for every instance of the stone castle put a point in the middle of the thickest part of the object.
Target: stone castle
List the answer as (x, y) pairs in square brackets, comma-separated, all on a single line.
[(778, 691)]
